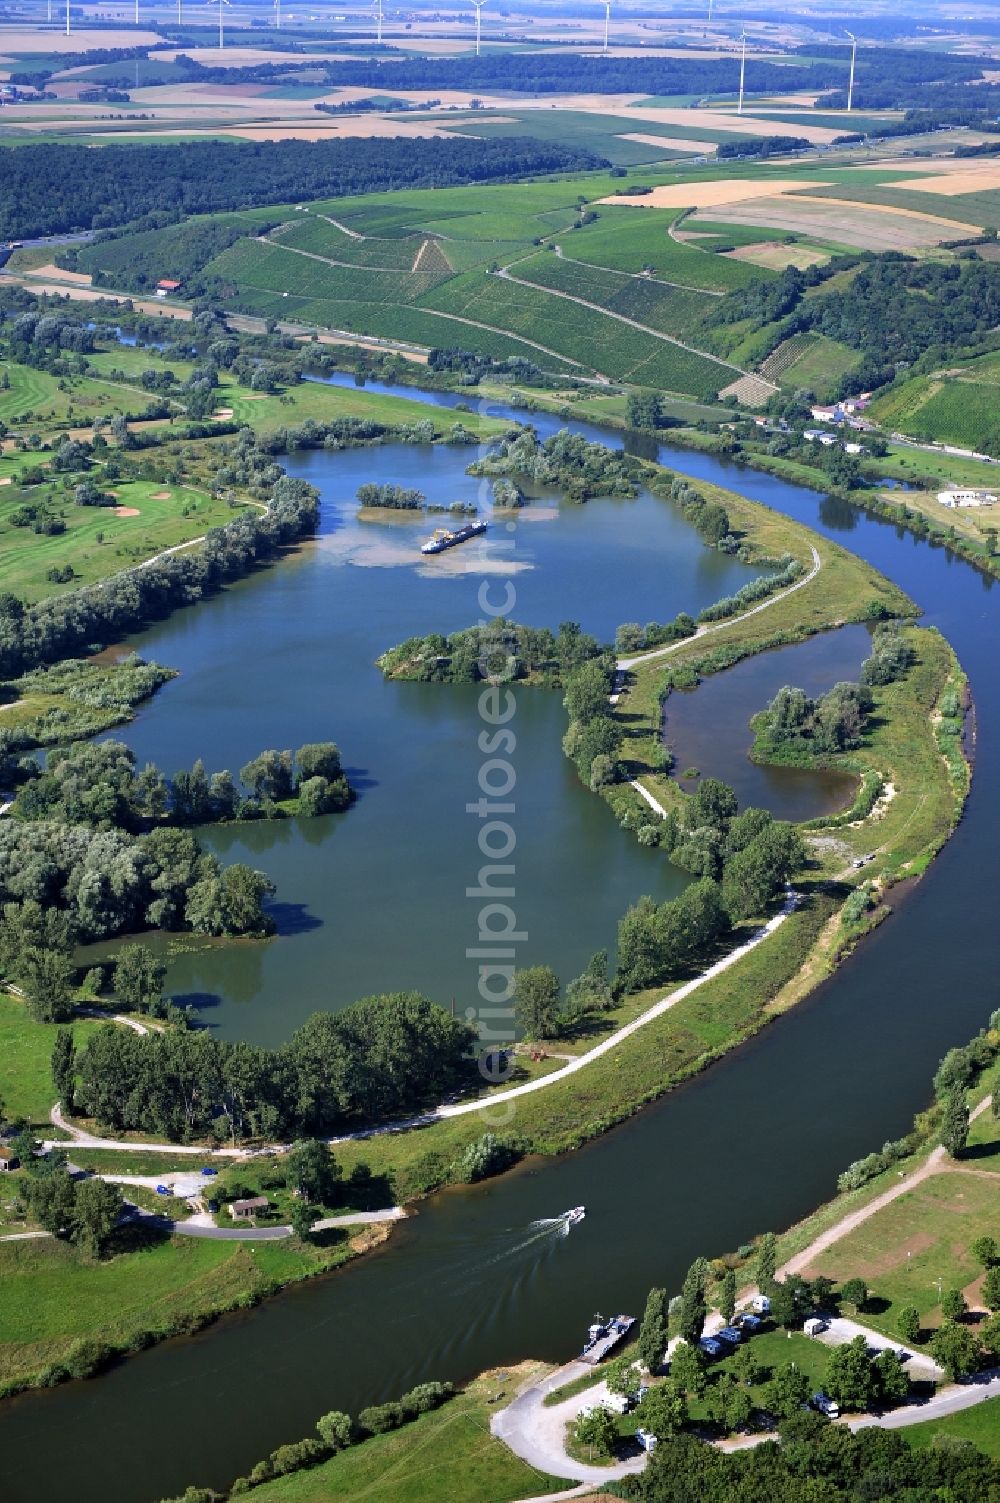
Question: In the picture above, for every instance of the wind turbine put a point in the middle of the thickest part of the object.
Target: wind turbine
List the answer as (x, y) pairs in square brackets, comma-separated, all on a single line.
[(378, 21), (222, 35), (743, 70), (137, 12), (854, 55), (607, 23), (479, 21), (277, 14), (67, 17)]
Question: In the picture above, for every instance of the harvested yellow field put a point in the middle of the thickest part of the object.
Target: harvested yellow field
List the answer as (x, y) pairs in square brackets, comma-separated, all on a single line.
[(983, 179), (42, 39), (775, 256), (352, 125), (709, 120), (869, 226), (669, 143), (56, 274), (93, 295), (242, 57), (709, 195)]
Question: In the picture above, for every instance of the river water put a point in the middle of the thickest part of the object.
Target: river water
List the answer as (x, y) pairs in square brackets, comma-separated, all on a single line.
[(475, 1280)]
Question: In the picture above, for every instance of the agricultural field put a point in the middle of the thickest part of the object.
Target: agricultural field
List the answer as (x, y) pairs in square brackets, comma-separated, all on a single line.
[(811, 362), (942, 409), (671, 310), (610, 136)]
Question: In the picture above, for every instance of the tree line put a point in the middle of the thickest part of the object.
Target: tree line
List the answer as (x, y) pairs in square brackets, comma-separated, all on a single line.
[(98, 785), (381, 1057), (51, 188), (566, 461)]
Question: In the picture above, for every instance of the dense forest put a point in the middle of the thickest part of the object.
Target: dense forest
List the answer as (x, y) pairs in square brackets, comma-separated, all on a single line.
[(48, 189), (815, 1461)]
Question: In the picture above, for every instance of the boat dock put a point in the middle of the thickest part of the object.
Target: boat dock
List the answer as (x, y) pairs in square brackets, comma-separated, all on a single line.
[(604, 1338)]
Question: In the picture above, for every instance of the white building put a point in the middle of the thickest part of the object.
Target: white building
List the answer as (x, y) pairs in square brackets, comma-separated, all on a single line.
[(958, 497)]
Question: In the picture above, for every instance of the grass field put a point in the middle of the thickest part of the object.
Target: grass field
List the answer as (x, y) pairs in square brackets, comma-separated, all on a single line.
[(924, 1236), (979, 1425), (26, 1088), (177, 514), (51, 1297), (448, 1453), (34, 395)]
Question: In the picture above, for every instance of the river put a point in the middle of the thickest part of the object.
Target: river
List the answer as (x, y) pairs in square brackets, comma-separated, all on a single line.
[(472, 1281)]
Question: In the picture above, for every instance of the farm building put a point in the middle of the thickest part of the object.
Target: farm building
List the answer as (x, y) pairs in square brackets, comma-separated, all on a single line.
[(166, 286), (8, 1159), (958, 497)]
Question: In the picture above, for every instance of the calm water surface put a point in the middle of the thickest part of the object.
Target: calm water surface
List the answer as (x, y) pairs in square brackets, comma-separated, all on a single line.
[(472, 1280)]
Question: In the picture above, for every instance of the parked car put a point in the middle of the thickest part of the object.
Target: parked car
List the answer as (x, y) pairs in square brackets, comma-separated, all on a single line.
[(729, 1334), (164, 1190), (710, 1346), (760, 1304), (748, 1322), (209, 1172), (646, 1439), (814, 1325), (826, 1405)]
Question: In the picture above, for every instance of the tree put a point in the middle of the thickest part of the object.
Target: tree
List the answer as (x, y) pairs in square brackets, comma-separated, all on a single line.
[(786, 1391), (953, 1306), (313, 1171), (302, 1220), (985, 1251), (955, 1122), (663, 1411), (96, 1210), (138, 978), (727, 1295), (687, 1368), (652, 1343), (51, 1198), (622, 1377), (47, 977), (991, 1288), (336, 1429), (318, 759), (536, 1001), (691, 1320), (767, 1261), (64, 1068), (598, 1431), (748, 1366), (728, 1403), (850, 1375), (855, 1292), (956, 1349), (891, 1378), (590, 991), (908, 1322)]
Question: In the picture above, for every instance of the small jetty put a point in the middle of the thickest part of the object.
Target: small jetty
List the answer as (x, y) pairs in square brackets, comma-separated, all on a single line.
[(604, 1336), (443, 538)]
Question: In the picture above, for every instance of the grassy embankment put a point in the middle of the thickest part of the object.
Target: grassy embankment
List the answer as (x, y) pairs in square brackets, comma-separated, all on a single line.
[(448, 1453), (56, 1305)]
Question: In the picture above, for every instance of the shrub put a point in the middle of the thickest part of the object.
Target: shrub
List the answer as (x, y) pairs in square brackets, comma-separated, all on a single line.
[(489, 1155), (378, 1419)]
